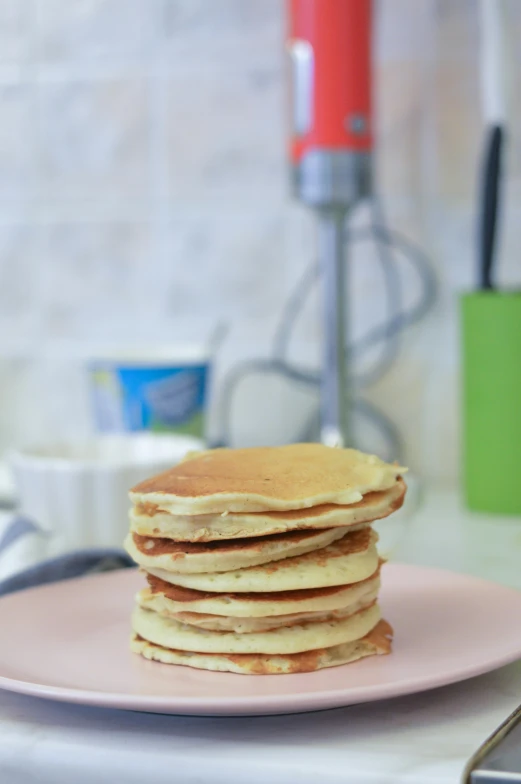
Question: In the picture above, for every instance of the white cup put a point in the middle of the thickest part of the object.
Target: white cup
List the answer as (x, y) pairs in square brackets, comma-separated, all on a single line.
[(77, 493)]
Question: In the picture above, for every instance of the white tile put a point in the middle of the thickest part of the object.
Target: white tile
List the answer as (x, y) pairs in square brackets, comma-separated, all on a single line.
[(88, 279), (458, 30), (16, 29), (203, 31), (399, 106), (71, 30), (17, 142), (20, 314), (93, 142), (225, 133), (403, 30), (43, 400), (458, 126), (223, 264), (20, 414)]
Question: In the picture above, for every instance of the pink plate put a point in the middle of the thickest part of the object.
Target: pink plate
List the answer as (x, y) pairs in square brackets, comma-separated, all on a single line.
[(69, 642)]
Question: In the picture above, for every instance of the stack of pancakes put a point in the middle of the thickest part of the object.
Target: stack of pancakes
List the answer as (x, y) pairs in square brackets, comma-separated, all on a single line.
[(262, 560)]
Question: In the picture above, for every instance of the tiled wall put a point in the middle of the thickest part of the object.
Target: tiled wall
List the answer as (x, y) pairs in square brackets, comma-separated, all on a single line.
[(143, 196)]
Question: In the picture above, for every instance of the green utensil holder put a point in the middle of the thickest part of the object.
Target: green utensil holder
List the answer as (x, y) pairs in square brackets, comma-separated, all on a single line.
[(491, 326)]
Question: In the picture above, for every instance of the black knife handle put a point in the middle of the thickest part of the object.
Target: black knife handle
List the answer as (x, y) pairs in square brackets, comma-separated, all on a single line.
[(490, 201)]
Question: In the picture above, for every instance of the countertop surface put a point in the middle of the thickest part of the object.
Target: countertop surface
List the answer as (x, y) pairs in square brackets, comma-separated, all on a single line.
[(423, 738)]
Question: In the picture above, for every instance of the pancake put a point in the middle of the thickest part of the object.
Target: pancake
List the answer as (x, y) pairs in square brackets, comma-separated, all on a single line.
[(296, 476), (166, 598), (168, 633), (377, 642), (149, 519), (223, 556), (349, 560), (220, 623)]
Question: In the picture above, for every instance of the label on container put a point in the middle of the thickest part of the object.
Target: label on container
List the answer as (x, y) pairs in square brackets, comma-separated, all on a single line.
[(162, 399)]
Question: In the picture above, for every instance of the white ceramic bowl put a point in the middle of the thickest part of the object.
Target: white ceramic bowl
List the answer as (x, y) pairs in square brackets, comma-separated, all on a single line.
[(77, 492)]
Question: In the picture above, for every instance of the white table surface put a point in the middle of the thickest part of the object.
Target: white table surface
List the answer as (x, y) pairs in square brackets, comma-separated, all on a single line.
[(424, 738)]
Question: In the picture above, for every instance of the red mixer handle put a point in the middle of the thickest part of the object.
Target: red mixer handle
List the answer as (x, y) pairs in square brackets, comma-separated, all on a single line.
[(330, 46)]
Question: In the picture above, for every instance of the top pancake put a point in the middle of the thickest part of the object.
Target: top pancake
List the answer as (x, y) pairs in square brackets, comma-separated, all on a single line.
[(147, 519), (296, 476)]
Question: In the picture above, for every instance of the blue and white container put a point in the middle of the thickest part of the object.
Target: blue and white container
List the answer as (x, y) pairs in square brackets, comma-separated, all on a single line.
[(160, 391)]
